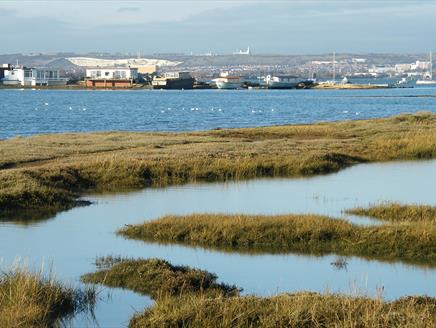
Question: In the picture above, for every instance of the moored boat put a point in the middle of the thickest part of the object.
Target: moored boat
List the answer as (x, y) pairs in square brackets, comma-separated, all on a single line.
[(225, 81), (174, 80), (282, 81)]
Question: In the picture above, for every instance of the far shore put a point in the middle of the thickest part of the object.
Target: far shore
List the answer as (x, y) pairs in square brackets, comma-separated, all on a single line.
[(78, 86)]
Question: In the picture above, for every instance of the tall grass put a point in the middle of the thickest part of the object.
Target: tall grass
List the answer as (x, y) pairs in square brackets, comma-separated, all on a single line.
[(288, 310), (30, 299), (293, 233), (53, 170)]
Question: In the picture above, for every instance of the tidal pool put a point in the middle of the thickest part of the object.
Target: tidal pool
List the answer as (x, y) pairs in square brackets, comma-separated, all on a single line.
[(71, 240)]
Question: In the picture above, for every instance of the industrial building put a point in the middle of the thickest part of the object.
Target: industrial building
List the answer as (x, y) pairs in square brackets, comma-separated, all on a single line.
[(111, 77)]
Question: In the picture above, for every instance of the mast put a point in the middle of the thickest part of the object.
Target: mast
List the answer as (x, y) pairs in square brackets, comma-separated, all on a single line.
[(334, 67), (431, 66)]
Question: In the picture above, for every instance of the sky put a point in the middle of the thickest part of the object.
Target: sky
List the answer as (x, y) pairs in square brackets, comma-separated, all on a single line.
[(219, 26)]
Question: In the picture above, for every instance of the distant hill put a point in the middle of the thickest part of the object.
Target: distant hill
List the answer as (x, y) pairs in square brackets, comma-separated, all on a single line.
[(59, 60)]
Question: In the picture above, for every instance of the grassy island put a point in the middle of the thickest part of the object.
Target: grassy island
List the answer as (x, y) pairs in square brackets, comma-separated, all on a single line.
[(307, 234), (157, 278), (181, 302), (289, 310), (33, 300), (52, 171), (395, 212)]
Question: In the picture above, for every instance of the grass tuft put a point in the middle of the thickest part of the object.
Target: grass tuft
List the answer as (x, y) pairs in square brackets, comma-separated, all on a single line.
[(34, 300), (157, 278)]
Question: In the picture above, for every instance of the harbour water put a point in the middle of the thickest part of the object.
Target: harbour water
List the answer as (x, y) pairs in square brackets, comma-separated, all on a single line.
[(27, 112), (71, 240)]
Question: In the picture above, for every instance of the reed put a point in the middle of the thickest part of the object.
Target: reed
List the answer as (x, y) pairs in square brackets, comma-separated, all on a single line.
[(30, 299)]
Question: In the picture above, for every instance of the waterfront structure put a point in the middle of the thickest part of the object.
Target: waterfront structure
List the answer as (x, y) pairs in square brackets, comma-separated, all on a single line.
[(282, 81), (428, 77), (173, 80), (25, 76), (225, 81), (111, 77)]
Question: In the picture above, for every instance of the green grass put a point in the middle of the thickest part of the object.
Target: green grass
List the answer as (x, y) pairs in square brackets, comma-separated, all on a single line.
[(35, 300), (157, 278), (53, 170), (395, 212), (288, 310), (307, 234)]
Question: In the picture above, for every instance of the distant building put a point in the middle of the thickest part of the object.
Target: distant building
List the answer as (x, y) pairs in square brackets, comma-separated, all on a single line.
[(148, 69), (3, 68), (358, 60), (320, 62), (111, 77), (401, 68), (420, 65), (243, 52), (32, 76), (381, 70)]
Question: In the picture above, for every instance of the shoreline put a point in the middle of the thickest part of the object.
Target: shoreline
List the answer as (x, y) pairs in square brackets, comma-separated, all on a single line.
[(149, 87)]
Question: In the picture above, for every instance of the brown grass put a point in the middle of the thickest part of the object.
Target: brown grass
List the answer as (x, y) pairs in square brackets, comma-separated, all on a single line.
[(34, 300), (395, 212), (309, 234), (289, 310), (52, 170), (155, 277)]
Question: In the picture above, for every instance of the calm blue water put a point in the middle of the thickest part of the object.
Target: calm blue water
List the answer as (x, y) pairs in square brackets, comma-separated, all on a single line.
[(27, 112)]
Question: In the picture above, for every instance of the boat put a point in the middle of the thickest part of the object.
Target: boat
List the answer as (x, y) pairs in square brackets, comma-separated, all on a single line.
[(282, 82), (173, 80), (225, 81), (428, 78)]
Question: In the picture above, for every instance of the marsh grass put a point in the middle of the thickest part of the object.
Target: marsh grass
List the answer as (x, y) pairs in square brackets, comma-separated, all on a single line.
[(395, 212), (37, 300), (157, 278), (288, 310), (306, 234), (53, 170)]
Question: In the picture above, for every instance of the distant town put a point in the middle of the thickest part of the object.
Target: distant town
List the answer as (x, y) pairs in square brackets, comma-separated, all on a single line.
[(241, 69)]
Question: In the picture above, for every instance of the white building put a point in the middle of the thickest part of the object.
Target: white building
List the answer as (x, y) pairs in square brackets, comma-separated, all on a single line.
[(243, 52), (32, 77), (421, 65), (112, 73), (358, 60)]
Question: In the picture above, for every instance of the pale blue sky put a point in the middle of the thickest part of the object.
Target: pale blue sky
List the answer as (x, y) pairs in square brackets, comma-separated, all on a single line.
[(281, 26)]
